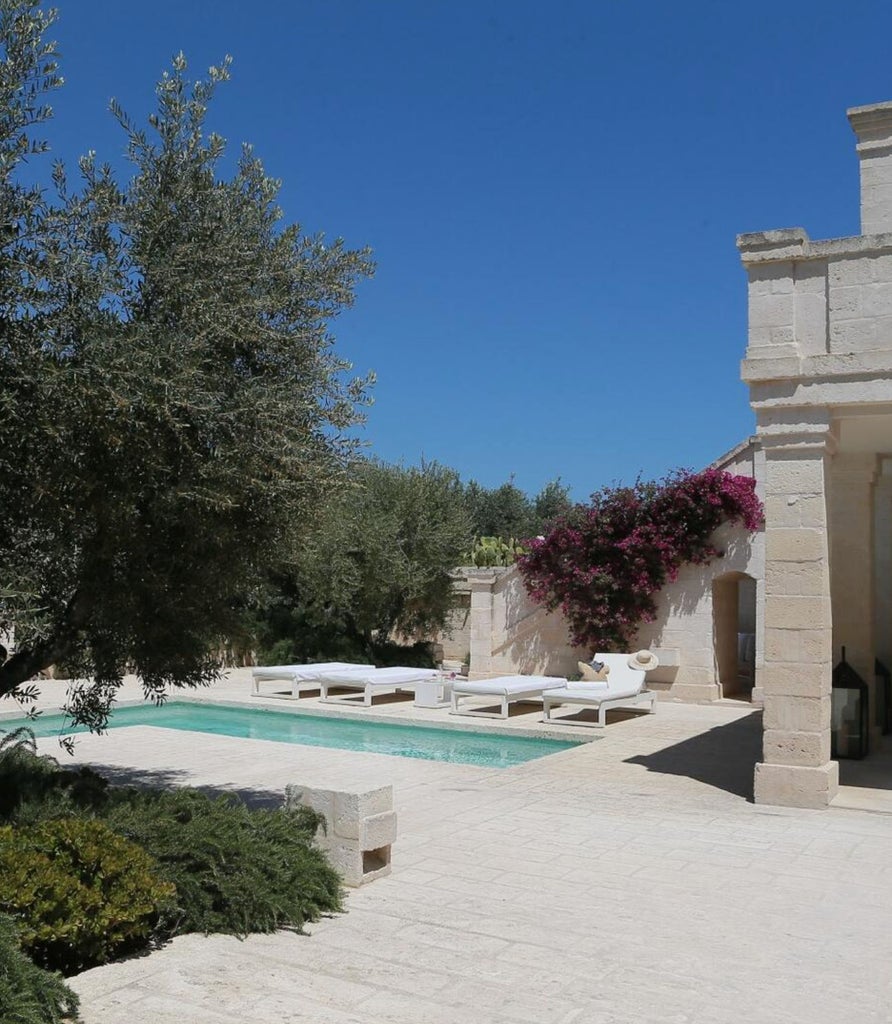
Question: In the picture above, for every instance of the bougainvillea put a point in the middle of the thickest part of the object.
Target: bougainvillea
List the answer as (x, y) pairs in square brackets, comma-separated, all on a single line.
[(603, 563)]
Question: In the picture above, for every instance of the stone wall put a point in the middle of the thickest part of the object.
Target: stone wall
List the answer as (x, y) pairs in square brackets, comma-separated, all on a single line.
[(506, 633)]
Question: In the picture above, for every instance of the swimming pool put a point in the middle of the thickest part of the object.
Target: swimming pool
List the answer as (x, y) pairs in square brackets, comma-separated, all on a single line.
[(431, 744)]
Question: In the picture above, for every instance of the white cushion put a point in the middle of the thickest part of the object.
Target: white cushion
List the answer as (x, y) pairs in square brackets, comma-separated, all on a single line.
[(303, 672), (505, 686), (623, 681), (384, 677)]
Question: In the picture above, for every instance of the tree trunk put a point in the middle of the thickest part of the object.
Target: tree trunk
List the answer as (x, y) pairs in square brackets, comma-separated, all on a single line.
[(25, 664)]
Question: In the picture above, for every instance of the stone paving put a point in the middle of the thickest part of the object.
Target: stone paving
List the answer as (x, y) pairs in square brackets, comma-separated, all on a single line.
[(626, 880)]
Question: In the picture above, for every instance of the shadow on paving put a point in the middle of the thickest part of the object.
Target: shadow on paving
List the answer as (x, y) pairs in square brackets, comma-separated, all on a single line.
[(724, 757), (170, 778)]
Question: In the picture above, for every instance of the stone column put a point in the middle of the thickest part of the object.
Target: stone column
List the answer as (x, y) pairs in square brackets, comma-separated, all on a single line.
[(481, 581), (852, 566), (796, 769), (882, 540)]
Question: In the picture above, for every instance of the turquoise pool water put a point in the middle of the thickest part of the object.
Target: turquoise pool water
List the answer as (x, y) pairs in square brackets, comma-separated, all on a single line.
[(430, 744)]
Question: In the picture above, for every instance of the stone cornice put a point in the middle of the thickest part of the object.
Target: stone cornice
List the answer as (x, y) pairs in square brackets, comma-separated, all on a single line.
[(873, 126), (794, 244), (824, 367)]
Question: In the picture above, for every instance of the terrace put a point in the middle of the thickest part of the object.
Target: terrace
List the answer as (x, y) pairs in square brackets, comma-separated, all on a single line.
[(630, 878)]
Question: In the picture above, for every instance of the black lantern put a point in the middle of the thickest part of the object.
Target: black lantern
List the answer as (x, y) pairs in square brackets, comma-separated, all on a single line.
[(850, 714), (883, 697)]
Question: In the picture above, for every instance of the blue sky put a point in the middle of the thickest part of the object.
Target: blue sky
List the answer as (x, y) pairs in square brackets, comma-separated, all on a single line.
[(552, 192)]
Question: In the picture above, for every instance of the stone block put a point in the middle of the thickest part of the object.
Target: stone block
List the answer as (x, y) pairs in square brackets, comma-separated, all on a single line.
[(796, 612), (843, 271), (879, 268), (358, 867), (668, 656), (876, 299), (696, 692), (794, 680), (320, 800), (809, 749), (794, 476), (845, 303), (802, 713), (771, 310), (815, 646), (377, 830), (811, 321), (360, 828), (805, 579), (782, 336), (793, 786), (351, 809), (793, 545), (852, 335)]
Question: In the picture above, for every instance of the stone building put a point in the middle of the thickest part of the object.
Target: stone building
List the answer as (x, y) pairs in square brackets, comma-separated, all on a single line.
[(769, 620), (819, 369)]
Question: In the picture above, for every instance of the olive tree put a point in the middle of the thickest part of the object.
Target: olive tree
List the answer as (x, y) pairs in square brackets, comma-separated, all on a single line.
[(172, 410), (376, 566)]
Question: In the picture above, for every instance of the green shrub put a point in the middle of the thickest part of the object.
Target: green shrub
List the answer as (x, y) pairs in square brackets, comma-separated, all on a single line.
[(28, 993), (33, 787), (81, 893), (236, 870)]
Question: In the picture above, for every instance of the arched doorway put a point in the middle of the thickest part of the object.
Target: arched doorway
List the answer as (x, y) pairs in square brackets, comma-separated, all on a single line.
[(734, 633)]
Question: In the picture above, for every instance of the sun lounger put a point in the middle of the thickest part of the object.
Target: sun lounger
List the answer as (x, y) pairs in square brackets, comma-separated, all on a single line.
[(506, 690), (299, 674), (371, 681), (624, 688)]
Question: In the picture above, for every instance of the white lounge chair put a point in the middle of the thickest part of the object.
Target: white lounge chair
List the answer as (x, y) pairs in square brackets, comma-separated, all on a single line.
[(507, 689), (299, 674), (624, 688), (371, 681)]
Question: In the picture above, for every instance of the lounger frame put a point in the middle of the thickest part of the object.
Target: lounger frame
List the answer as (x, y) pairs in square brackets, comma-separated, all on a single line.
[(298, 676), (491, 698), (550, 701), (369, 689)]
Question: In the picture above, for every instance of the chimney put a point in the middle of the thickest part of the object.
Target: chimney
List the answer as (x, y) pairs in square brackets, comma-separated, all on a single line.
[(873, 126)]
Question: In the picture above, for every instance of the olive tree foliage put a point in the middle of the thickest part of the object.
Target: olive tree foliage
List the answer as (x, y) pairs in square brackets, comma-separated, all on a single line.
[(376, 566), (172, 410)]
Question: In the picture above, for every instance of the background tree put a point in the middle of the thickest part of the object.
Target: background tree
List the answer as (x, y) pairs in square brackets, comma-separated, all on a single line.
[(172, 408), (506, 512), (549, 504), (377, 564)]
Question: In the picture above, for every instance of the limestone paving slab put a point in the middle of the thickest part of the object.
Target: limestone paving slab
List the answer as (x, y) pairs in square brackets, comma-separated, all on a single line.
[(626, 880)]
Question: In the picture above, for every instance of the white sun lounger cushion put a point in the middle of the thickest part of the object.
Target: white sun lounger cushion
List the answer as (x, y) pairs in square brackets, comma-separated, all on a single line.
[(383, 677), (622, 680), (304, 672), (505, 686)]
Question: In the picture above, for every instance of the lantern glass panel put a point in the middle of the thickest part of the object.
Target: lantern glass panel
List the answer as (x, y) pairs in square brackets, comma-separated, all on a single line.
[(850, 713)]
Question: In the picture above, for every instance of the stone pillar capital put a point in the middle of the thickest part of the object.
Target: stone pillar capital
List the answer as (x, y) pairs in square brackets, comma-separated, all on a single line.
[(796, 432), (481, 579)]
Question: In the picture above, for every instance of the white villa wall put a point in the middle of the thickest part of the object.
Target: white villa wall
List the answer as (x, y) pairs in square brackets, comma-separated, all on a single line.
[(683, 633), (521, 637)]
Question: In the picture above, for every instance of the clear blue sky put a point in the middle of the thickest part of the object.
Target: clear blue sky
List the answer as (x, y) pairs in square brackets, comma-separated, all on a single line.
[(552, 191)]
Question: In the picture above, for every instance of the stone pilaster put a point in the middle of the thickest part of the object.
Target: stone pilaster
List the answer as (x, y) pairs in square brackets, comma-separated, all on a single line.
[(481, 581), (794, 678), (883, 563), (873, 127), (852, 565)]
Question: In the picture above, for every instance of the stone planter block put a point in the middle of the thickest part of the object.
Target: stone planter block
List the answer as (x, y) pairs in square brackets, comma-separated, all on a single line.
[(360, 828)]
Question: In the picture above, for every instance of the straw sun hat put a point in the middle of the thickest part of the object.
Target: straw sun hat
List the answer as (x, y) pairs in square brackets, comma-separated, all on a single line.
[(644, 661)]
